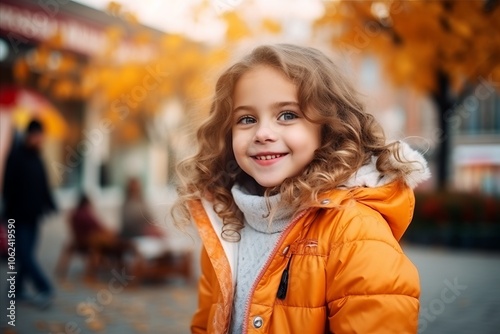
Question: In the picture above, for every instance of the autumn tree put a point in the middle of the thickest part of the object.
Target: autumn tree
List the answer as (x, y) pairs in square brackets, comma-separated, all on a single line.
[(448, 50), (139, 68), (139, 74)]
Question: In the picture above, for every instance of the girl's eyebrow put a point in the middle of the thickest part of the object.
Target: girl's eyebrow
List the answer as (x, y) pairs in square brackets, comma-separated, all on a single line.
[(275, 105)]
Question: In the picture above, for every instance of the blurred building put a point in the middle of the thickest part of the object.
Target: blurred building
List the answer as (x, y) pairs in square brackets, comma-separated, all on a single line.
[(476, 143), (474, 127), (78, 154)]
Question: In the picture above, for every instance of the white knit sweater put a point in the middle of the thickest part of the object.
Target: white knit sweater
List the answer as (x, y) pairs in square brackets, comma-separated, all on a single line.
[(258, 238)]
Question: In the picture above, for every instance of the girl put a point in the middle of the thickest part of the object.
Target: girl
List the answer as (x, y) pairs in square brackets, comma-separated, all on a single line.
[(300, 204)]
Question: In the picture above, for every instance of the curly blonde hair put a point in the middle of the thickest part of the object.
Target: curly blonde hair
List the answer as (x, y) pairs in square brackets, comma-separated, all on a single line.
[(349, 137)]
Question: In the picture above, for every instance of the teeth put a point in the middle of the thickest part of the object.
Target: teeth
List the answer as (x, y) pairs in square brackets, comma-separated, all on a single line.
[(267, 157)]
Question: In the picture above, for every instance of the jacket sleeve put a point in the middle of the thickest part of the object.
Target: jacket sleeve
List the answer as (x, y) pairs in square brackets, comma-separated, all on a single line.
[(199, 322), (372, 286)]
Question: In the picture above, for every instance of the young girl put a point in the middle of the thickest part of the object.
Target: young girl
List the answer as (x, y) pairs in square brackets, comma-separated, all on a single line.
[(300, 203)]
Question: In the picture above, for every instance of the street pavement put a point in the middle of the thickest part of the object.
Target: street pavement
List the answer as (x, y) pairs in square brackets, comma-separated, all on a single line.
[(460, 290), (460, 294)]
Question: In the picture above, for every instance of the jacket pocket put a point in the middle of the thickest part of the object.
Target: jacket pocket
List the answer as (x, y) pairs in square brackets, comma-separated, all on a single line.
[(303, 280)]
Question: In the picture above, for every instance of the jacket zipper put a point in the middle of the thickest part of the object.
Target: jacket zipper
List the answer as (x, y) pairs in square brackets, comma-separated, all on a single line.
[(264, 268), (283, 287)]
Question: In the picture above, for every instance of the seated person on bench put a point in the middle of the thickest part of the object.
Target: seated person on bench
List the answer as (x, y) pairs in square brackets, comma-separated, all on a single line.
[(90, 237)]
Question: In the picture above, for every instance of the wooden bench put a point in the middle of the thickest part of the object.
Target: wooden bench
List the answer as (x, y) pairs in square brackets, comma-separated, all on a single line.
[(168, 265)]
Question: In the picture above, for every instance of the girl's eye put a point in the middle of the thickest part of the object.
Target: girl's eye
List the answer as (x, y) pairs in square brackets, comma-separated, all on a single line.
[(287, 116), (246, 120)]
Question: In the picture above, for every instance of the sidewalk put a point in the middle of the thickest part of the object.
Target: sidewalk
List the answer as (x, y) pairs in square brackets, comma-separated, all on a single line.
[(79, 308), (460, 295), (460, 290), (112, 305)]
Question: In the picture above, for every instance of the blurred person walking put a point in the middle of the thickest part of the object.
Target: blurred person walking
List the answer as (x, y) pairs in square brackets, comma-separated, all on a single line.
[(27, 198)]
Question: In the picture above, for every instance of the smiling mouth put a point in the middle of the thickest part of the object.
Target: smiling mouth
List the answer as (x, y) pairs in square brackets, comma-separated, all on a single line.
[(268, 156)]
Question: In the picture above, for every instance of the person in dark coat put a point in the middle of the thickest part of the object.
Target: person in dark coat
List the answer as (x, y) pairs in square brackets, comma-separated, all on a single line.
[(27, 198)]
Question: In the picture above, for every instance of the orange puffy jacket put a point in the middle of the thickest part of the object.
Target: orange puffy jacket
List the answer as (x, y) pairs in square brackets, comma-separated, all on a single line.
[(347, 272)]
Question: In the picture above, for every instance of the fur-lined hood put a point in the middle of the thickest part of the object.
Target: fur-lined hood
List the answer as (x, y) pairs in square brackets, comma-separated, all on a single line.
[(416, 170), (394, 200)]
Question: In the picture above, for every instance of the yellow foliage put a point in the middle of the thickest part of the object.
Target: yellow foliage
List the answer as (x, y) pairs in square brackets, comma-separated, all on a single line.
[(54, 42), (331, 15), (112, 115), (63, 89), (21, 116), (176, 67), (114, 8), (172, 42), (142, 38), (271, 26), (217, 57), (128, 131), (44, 82), (41, 57), (73, 132), (53, 122), (114, 35), (236, 27), (21, 70), (88, 82), (131, 18), (420, 38), (68, 63), (460, 27)]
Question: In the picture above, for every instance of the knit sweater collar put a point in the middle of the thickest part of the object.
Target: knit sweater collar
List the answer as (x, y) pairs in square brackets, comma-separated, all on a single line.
[(256, 212)]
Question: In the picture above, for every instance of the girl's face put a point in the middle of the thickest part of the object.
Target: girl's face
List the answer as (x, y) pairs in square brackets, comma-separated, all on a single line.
[(272, 140)]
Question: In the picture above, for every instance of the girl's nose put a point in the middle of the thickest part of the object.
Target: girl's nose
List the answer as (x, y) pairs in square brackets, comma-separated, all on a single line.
[(264, 133)]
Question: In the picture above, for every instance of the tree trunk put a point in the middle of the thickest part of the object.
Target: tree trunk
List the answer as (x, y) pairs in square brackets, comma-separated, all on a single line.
[(445, 110)]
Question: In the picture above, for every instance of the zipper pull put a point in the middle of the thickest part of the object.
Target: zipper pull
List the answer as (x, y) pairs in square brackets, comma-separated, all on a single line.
[(283, 287)]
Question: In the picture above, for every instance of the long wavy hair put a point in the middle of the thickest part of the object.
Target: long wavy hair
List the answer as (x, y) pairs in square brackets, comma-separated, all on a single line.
[(349, 137)]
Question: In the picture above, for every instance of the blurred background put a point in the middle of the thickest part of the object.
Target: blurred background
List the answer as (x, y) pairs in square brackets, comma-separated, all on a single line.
[(120, 88)]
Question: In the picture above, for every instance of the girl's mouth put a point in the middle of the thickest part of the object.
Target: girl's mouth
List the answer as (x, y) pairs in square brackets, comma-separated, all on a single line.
[(268, 156)]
